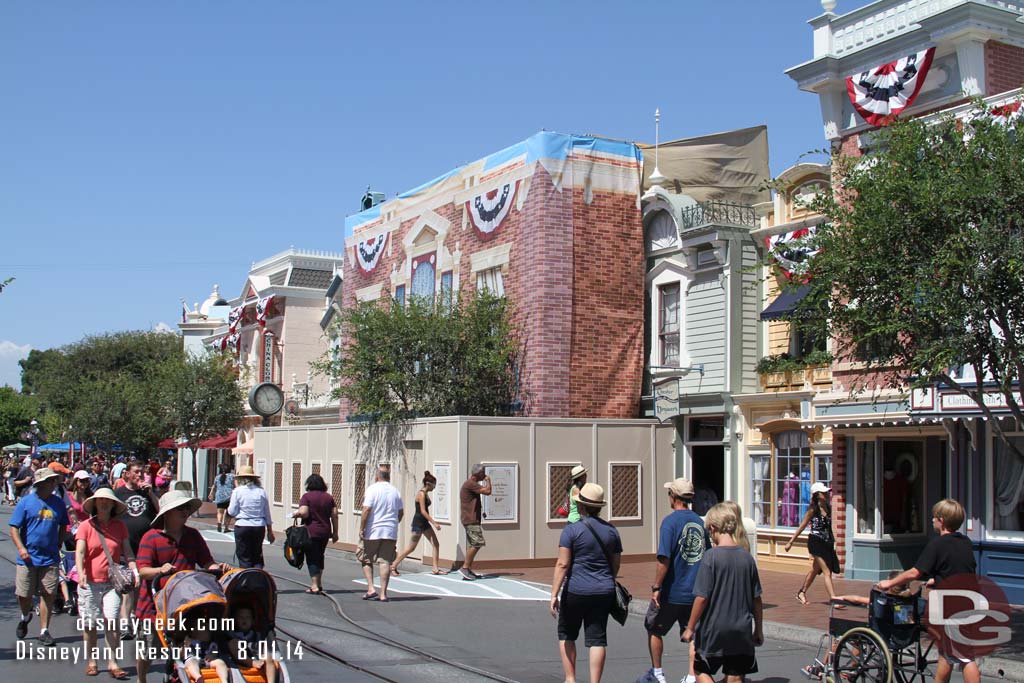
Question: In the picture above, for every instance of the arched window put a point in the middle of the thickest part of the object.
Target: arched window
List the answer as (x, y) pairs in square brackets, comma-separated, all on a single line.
[(660, 232), (423, 279)]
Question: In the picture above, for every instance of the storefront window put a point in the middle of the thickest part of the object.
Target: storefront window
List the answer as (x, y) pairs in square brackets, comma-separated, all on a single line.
[(793, 476), (1007, 486), (866, 487), (761, 495), (902, 487)]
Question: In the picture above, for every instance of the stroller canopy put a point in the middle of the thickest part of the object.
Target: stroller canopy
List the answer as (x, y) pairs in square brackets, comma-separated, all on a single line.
[(183, 592), (255, 589)]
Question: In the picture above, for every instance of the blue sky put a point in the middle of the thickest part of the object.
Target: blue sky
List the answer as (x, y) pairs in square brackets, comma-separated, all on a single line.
[(153, 149)]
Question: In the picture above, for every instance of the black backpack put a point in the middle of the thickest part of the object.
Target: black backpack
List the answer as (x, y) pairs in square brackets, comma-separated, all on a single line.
[(296, 542)]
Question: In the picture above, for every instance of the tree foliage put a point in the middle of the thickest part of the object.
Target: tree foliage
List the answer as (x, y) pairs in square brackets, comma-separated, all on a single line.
[(921, 264), (425, 359), (202, 398), (16, 411)]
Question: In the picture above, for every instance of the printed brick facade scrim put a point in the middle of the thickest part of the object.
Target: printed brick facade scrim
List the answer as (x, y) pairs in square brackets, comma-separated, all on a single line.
[(1004, 67)]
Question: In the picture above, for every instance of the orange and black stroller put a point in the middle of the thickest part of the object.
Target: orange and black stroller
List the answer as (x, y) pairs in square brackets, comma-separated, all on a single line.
[(255, 589)]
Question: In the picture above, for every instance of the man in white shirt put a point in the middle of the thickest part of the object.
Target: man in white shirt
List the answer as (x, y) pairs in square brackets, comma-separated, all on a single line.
[(378, 531)]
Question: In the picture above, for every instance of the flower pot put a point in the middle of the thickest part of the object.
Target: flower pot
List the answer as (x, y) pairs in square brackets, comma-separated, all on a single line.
[(821, 374)]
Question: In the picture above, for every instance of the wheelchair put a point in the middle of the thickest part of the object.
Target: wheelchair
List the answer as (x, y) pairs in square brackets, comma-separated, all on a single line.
[(887, 648)]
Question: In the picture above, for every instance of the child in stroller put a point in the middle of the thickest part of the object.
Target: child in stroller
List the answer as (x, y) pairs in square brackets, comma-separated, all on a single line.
[(67, 575), (244, 644), (201, 646)]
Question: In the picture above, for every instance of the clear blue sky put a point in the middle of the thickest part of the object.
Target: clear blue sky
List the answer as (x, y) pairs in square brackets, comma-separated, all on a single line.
[(152, 149)]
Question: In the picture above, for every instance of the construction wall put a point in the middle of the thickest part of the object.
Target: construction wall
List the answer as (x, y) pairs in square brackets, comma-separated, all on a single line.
[(630, 458)]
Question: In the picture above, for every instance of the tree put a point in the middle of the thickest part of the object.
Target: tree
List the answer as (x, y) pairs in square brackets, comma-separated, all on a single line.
[(425, 359), (202, 397), (16, 411), (921, 264), (38, 363)]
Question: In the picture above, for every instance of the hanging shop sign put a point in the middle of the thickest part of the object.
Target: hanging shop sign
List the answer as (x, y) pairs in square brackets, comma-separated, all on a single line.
[(489, 209), (666, 399), (268, 357)]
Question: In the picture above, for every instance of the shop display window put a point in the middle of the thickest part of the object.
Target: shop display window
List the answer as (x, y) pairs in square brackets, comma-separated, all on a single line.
[(865, 487), (1007, 486), (761, 498), (903, 487), (793, 477)]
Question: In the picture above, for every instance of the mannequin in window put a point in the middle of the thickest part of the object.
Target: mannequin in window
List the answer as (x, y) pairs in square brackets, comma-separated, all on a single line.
[(790, 502), (805, 490), (895, 491)]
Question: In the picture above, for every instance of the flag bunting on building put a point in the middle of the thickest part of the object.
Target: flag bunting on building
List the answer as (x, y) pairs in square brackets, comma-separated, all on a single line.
[(792, 251), (235, 316), (489, 209), (882, 92), (262, 306), (1006, 113), (368, 252)]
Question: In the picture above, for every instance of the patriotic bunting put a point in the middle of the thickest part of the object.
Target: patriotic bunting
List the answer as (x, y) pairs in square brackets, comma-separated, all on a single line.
[(368, 252), (881, 93), (262, 306), (488, 210), (235, 316), (1007, 113), (792, 251)]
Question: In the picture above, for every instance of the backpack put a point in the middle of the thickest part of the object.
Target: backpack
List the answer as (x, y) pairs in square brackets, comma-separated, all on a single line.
[(296, 542)]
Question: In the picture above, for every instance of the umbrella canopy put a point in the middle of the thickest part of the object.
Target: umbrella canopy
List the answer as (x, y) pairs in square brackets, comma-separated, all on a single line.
[(60, 446), (16, 448)]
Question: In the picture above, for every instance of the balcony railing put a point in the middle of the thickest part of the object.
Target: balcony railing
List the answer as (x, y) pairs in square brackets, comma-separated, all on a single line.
[(718, 213)]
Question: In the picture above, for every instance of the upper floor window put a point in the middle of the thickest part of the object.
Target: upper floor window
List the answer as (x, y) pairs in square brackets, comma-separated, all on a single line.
[(490, 280), (423, 279), (400, 295), (661, 232), (446, 290), (668, 334)]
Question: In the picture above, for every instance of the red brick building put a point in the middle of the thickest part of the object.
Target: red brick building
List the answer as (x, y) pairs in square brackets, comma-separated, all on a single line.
[(554, 224)]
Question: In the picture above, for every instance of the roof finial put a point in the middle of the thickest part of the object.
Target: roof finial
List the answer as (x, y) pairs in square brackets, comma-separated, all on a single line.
[(656, 178), (828, 5)]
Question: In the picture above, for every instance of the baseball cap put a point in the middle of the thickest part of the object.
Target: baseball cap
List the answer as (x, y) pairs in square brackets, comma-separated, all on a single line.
[(819, 487), (58, 468), (680, 488)]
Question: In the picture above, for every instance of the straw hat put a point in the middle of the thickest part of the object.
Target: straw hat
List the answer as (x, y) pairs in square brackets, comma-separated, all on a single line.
[(176, 499), (105, 493), (577, 472), (591, 495), (42, 474), (246, 472)]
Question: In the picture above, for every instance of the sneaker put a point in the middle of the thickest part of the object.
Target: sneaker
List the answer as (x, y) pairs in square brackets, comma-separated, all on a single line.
[(475, 575), (651, 677), (46, 639), (22, 630), (467, 574)]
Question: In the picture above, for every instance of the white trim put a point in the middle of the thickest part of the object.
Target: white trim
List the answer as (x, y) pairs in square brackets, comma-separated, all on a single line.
[(639, 489), (370, 293), (515, 495), (990, 533), (486, 259), (291, 481), (547, 486), (669, 275), (330, 487), (273, 470)]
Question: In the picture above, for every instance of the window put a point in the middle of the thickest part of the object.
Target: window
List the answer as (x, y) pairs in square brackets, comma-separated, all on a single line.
[(706, 429), (902, 487), (661, 232), (337, 470), (423, 278), (865, 495), (803, 340), (706, 257), (296, 482), (490, 280), (668, 334), (315, 468), (446, 290), (625, 491), (359, 481), (1007, 486), (761, 495), (400, 295), (558, 481), (793, 476)]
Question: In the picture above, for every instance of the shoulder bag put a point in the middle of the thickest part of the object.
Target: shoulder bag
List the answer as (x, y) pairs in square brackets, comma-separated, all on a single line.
[(620, 607), (121, 578)]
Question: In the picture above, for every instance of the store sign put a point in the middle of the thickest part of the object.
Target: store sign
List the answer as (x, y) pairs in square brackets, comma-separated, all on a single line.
[(924, 399), (502, 504), (666, 399), (442, 492), (268, 357)]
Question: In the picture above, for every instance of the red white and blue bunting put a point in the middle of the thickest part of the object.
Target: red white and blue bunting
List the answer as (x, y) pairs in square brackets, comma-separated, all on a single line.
[(489, 209), (368, 252), (881, 93), (235, 316), (1007, 113), (792, 251), (262, 306)]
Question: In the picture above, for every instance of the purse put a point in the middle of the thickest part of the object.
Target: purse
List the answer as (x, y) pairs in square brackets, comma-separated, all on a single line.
[(620, 607), (121, 578)]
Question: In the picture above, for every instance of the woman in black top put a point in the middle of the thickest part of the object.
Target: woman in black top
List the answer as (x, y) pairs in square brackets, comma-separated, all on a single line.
[(423, 525), (820, 542)]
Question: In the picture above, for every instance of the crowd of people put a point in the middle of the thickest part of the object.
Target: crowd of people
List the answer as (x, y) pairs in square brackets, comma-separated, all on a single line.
[(102, 538)]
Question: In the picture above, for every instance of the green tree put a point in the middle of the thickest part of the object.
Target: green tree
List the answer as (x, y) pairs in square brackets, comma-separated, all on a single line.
[(426, 360), (921, 264), (202, 397), (35, 366), (16, 411)]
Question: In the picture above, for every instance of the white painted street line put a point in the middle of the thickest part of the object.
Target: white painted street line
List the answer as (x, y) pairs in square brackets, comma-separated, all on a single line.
[(429, 584)]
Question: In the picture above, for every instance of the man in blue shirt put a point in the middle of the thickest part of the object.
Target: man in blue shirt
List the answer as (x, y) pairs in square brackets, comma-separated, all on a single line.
[(681, 545), (38, 525)]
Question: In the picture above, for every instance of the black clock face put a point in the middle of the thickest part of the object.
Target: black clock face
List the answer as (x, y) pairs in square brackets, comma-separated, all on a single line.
[(266, 399)]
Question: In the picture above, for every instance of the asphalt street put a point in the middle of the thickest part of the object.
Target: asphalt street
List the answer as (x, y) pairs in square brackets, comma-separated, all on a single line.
[(512, 638)]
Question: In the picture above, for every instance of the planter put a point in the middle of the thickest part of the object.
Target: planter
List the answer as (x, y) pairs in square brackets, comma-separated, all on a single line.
[(796, 379), (821, 374), (772, 380)]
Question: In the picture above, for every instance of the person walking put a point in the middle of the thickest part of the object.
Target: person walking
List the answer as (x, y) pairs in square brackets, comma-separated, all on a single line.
[(681, 545), (141, 506), (100, 541), (423, 525), (577, 478), (378, 531), (727, 609), (592, 550), (170, 546), (820, 543), (478, 484), (24, 478), (220, 494), (319, 513), (99, 478), (250, 509), (164, 475), (38, 525), (80, 491)]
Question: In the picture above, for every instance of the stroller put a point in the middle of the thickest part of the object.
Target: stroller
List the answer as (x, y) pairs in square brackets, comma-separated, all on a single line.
[(189, 594), (68, 576)]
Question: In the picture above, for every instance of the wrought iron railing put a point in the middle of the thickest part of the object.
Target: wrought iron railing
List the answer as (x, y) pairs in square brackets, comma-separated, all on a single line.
[(718, 213)]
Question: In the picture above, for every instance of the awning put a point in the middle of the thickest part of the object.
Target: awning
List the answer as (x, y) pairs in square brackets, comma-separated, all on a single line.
[(17, 448), (168, 443), (785, 302), (228, 440)]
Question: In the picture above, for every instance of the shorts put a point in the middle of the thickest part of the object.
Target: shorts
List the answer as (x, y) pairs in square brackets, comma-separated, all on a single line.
[(379, 550), (475, 536), (731, 665), (659, 622), (29, 581), (98, 601), (224, 505), (589, 611)]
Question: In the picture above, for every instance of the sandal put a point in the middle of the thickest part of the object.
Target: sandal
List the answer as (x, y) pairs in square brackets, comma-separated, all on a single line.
[(119, 674), (801, 597), (440, 572), (313, 592), (91, 670), (370, 596)]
